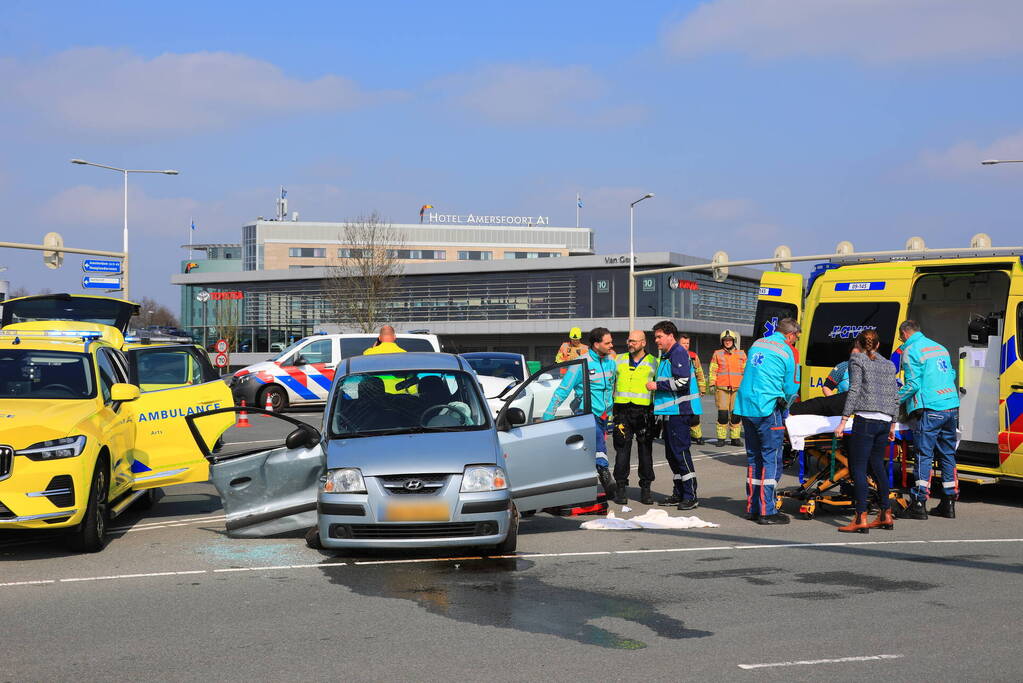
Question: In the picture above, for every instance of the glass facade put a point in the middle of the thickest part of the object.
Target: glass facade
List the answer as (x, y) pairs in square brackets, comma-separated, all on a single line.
[(270, 313)]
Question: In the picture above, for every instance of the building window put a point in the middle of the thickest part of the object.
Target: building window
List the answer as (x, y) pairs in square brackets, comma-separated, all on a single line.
[(475, 255), (293, 267), (530, 254), (307, 252), (417, 254), (354, 253)]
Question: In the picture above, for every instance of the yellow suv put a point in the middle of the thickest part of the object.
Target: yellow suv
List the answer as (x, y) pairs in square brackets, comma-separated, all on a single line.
[(79, 440)]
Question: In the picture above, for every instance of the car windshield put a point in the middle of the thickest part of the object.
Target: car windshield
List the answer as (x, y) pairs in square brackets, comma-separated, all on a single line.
[(504, 367), (291, 347), (45, 374), (407, 402)]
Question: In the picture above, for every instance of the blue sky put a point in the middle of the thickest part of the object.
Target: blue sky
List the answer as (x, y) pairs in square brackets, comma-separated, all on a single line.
[(756, 122)]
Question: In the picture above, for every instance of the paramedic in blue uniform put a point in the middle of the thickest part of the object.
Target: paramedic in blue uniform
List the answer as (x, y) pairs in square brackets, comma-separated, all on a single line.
[(930, 396), (769, 385), (601, 372), (672, 398)]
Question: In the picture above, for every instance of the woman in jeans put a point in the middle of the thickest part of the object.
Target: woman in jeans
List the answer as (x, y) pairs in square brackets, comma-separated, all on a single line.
[(874, 398)]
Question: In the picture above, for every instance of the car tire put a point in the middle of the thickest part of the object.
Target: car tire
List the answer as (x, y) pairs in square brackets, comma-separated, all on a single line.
[(278, 397), (510, 542), (312, 538), (91, 535)]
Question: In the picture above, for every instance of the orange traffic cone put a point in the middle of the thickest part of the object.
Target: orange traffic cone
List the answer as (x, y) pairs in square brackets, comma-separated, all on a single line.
[(269, 404), (243, 417)]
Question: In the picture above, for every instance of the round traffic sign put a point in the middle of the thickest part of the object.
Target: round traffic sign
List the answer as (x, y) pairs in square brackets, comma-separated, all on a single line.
[(221, 346), (221, 360), (202, 297)]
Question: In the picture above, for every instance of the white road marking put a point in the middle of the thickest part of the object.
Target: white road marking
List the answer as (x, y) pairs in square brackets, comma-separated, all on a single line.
[(148, 526), (814, 662), (517, 556)]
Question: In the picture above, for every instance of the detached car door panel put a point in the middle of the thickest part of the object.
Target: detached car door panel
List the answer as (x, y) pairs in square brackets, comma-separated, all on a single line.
[(550, 462), (265, 491)]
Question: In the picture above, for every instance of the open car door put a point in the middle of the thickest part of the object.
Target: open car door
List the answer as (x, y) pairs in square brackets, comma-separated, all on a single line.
[(550, 461), (266, 489), (176, 381)]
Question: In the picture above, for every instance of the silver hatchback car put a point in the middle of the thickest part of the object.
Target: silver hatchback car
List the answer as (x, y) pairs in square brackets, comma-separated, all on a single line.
[(409, 456)]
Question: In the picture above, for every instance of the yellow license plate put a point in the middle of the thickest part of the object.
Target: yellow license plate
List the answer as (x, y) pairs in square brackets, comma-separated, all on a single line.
[(417, 512)]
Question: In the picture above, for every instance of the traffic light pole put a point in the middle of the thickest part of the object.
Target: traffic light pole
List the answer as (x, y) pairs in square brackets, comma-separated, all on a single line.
[(70, 250)]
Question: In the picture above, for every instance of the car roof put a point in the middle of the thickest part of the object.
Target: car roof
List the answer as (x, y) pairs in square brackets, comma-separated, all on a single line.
[(492, 354), (404, 361)]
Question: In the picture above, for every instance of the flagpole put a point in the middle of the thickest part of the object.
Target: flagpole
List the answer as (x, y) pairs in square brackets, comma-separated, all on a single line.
[(577, 200), (191, 222)]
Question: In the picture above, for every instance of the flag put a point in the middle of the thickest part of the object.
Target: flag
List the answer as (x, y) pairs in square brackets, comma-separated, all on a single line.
[(193, 225), (423, 209), (284, 193), (579, 201)]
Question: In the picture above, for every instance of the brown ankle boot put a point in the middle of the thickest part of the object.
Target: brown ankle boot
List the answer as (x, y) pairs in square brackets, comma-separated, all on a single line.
[(859, 524), (884, 520)]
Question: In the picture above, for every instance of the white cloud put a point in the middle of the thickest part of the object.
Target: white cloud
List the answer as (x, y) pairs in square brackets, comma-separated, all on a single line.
[(519, 94), (88, 207), (872, 31), (965, 157), (118, 91)]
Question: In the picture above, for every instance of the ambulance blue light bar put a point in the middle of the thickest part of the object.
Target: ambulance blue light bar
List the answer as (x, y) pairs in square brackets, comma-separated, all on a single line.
[(77, 334)]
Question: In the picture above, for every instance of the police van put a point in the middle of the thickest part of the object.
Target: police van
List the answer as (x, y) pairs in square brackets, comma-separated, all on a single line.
[(90, 424), (971, 302)]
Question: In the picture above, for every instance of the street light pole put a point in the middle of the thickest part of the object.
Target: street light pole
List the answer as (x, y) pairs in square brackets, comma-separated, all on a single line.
[(632, 264), (124, 172), (992, 162)]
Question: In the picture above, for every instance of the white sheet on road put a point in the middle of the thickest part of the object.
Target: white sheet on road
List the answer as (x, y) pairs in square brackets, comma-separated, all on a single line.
[(651, 519)]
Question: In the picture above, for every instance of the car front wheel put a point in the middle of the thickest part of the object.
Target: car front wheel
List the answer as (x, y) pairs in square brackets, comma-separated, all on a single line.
[(91, 535)]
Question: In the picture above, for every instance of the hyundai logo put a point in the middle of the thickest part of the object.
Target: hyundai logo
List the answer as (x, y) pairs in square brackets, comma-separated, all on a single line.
[(413, 485)]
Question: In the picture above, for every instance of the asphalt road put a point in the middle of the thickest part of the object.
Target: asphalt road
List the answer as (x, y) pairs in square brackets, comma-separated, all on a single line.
[(173, 597)]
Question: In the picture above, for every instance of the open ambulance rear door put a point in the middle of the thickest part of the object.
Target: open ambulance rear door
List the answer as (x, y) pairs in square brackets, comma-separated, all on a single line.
[(780, 296)]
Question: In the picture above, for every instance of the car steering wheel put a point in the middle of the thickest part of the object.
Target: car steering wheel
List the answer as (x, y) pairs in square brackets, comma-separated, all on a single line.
[(428, 414)]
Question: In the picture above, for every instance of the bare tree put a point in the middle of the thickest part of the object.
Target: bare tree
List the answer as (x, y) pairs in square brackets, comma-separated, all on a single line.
[(366, 274), (152, 312)]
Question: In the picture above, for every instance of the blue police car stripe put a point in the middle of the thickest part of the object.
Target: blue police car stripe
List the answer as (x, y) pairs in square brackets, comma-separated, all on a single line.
[(321, 380), (858, 286), (296, 386)]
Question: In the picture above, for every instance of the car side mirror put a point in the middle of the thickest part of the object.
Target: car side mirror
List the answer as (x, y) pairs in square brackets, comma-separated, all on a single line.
[(302, 437), (122, 392), (516, 416)]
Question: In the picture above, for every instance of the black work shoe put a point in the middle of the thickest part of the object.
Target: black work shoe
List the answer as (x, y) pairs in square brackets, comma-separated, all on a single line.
[(607, 481), (737, 442), (644, 496), (946, 508), (689, 504), (752, 516), (621, 498), (916, 510), (776, 518), (722, 443), (670, 500), (698, 441)]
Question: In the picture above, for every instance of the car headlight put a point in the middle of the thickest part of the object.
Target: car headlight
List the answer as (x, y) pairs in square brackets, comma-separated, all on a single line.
[(478, 478), (67, 447), (344, 480)]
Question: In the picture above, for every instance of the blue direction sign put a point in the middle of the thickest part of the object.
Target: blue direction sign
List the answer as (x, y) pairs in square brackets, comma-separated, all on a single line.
[(101, 282), (97, 266)]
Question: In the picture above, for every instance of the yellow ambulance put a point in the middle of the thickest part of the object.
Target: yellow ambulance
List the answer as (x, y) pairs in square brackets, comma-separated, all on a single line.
[(971, 302), (88, 424)]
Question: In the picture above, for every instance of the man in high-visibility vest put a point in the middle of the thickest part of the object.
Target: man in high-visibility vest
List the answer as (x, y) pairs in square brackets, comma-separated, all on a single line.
[(573, 348), (726, 368), (633, 413), (695, 428), (673, 403), (386, 343)]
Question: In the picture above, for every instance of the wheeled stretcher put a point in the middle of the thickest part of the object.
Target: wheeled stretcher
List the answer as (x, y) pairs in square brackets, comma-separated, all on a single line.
[(822, 458)]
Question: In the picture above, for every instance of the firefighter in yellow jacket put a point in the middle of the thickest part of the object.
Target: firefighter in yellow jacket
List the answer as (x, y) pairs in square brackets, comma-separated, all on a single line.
[(726, 368)]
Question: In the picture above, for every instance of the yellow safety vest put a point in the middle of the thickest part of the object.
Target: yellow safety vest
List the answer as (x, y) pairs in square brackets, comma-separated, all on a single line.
[(631, 384)]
